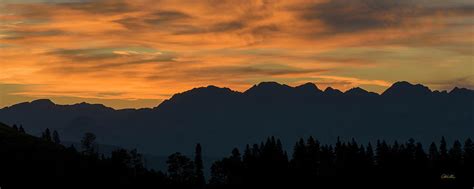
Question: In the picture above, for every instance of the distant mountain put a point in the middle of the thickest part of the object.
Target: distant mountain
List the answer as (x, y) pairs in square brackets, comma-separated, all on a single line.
[(332, 92), (359, 92), (405, 89), (220, 118)]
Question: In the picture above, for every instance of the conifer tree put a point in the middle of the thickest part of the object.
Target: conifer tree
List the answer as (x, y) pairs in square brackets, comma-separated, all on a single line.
[(443, 149), (47, 135), (88, 144), (455, 155), (469, 152), (369, 153), (56, 139), (180, 169), (21, 129), (198, 166)]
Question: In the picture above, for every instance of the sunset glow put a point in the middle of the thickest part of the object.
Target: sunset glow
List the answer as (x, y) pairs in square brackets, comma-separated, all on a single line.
[(136, 53)]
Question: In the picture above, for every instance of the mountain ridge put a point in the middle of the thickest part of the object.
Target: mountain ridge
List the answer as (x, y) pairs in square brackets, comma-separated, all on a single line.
[(398, 89), (220, 118)]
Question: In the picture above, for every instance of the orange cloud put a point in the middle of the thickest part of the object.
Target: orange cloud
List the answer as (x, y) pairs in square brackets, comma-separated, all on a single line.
[(132, 50)]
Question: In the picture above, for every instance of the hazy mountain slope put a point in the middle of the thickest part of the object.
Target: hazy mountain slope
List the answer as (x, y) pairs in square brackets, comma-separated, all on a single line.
[(220, 118)]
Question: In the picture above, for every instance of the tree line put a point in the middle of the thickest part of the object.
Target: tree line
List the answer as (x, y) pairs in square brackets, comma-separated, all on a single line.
[(344, 164), (310, 163), (349, 164)]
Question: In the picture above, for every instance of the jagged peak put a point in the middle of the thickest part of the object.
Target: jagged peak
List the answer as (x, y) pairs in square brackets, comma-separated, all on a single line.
[(404, 88), (460, 90), (270, 84), (267, 86), (209, 91), (331, 91), (210, 88), (308, 87), (357, 91), (85, 104)]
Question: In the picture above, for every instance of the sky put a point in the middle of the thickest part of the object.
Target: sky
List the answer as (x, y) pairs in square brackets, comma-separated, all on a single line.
[(136, 53)]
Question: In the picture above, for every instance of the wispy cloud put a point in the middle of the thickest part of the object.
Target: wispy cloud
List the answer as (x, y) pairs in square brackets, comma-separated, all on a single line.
[(109, 49)]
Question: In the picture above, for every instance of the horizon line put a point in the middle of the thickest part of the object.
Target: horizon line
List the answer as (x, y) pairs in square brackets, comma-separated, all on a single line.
[(242, 92)]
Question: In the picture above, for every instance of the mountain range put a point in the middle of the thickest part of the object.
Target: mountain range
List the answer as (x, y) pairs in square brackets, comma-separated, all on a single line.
[(220, 118)]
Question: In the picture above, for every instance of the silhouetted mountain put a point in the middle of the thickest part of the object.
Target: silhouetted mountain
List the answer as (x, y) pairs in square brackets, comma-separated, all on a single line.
[(200, 96), (405, 89), (220, 118), (308, 88), (462, 92), (268, 88), (332, 92), (359, 92)]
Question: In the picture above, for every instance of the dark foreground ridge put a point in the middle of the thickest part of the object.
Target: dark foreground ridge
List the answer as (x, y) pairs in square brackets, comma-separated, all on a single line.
[(31, 162), (220, 118)]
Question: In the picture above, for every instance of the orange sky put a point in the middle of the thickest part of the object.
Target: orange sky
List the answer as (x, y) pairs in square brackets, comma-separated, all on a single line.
[(135, 53)]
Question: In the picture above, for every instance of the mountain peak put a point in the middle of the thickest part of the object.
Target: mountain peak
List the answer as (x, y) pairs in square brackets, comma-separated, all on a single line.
[(331, 91), (91, 106), (268, 87), (308, 87), (457, 89), (270, 84), (461, 91), (200, 95), (357, 91), (210, 89), (42, 102), (404, 88)]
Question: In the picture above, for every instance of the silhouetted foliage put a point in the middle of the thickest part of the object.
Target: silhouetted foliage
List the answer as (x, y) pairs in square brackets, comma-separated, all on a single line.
[(21, 129), (46, 135), (218, 174), (180, 169), (15, 127), (56, 139), (88, 144), (347, 164), (31, 162), (200, 181)]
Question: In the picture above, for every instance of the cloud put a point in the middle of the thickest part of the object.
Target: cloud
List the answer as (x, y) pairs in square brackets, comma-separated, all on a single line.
[(15, 35), (101, 61), (100, 6), (227, 26), (343, 16), (149, 49), (154, 19), (463, 82), (160, 17), (81, 55), (127, 53), (255, 70), (105, 53), (130, 53)]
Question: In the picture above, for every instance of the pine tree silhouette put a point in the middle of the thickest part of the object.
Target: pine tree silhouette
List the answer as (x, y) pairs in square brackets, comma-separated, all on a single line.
[(199, 167), (88, 144), (47, 135), (21, 129), (180, 169), (56, 139)]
